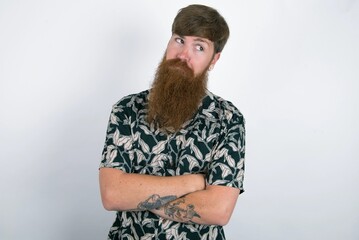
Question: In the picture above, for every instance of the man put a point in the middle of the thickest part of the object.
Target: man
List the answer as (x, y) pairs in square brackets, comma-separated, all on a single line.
[(173, 161)]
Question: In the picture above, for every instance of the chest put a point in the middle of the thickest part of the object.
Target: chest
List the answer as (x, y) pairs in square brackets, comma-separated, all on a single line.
[(188, 151)]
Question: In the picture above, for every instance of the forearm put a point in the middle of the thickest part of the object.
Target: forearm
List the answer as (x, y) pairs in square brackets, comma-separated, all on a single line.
[(213, 206), (124, 191)]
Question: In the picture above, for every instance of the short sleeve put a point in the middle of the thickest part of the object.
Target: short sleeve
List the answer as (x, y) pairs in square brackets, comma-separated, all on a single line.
[(227, 165), (118, 146)]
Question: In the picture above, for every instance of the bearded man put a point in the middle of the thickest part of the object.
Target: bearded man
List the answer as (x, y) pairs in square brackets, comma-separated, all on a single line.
[(173, 161)]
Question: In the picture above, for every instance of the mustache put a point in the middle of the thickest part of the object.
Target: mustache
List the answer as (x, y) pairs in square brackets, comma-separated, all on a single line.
[(179, 66)]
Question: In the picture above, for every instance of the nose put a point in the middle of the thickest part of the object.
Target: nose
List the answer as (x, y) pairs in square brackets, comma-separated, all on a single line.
[(184, 54)]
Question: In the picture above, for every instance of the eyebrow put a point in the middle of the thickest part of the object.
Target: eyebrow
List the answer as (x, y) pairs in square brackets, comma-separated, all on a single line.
[(202, 40), (198, 39)]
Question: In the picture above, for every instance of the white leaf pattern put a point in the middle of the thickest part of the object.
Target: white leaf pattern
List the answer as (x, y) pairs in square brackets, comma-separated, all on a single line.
[(211, 137), (146, 130), (127, 236), (148, 236), (208, 114), (189, 142), (208, 157), (180, 140), (204, 236), (219, 182), (157, 161), (128, 142), (214, 144), (165, 223), (192, 161), (114, 119), (147, 221), (230, 161), (191, 228), (213, 233), (240, 164), (111, 153), (159, 147), (140, 155), (144, 146), (116, 137), (197, 152), (122, 140), (212, 107), (204, 133), (220, 153), (136, 136), (131, 155), (225, 170), (233, 146)]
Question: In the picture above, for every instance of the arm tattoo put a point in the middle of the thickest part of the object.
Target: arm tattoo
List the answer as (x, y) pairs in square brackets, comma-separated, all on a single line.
[(155, 202), (186, 214)]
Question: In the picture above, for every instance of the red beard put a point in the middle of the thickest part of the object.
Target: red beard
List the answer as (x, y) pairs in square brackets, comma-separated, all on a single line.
[(175, 95)]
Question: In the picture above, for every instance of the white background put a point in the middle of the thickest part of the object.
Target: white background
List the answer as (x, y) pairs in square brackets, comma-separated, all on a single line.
[(291, 67)]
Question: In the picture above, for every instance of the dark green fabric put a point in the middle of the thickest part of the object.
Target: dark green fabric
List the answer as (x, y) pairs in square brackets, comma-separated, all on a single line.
[(213, 143)]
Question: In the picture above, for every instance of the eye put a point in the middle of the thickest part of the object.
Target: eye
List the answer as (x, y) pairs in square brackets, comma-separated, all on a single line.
[(199, 48), (179, 40)]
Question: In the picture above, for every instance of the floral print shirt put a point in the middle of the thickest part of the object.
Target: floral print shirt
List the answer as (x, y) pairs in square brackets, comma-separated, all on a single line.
[(212, 142)]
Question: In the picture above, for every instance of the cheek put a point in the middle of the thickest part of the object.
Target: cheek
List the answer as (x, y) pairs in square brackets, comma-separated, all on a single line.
[(170, 54), (199, 67)]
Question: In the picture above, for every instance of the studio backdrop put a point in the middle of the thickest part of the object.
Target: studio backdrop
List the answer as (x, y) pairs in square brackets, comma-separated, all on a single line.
[(291, 68)]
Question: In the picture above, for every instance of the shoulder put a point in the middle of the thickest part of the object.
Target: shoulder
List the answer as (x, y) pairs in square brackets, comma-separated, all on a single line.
[(132, 99), (130, 104), (225, 109)]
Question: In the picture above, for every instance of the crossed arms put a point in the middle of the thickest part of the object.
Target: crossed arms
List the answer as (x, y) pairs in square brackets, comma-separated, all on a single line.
[(184, 198)]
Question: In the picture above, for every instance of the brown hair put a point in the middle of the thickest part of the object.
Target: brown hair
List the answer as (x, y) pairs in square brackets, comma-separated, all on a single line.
[(202, 21)]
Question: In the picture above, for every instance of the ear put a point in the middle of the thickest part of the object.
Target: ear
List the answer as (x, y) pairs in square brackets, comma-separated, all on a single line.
[(214, 60)]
